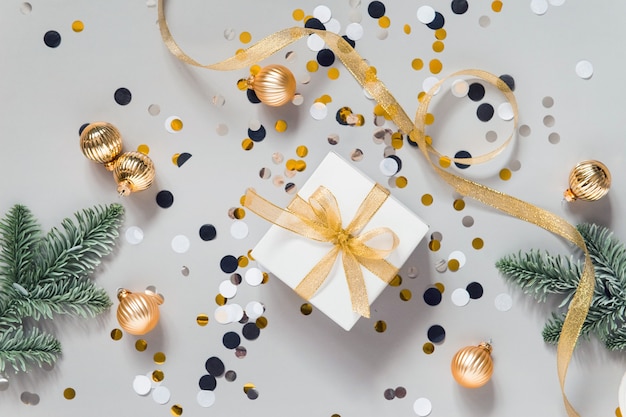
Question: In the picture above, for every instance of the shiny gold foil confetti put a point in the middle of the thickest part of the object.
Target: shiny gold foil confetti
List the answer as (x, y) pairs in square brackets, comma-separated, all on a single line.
[(505, 174), (78, 26), (380, 326), (302, 151), (69, 393), (261, 322), (158, 375), (428, 348), (144, 149), (434, 245), (248, 386), (306, 309), (453, 265), (440, 287), (478, 243), (266, 277), (220, 300), (458, 204), (159, 358), (441, 34), (396, 281), (116, 334), (298, 14), (405, 295), (202, 320), (280, 126), (427, 199), (141, 345), (176, 410), (401, 182), (247, 144), (242, 261)]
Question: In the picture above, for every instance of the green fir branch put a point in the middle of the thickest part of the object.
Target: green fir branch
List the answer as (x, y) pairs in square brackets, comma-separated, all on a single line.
[(19, 350)]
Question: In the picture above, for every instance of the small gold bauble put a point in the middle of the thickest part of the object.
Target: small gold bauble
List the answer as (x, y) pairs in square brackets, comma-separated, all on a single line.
[(101, 142), (589, 180), (274, 85), (472, 366), (138, 313), (133, 171)]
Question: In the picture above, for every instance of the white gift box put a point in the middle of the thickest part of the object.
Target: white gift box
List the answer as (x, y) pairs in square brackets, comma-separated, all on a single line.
[(290, 256)]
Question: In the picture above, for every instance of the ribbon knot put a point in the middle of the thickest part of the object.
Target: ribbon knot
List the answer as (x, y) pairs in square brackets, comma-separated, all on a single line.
[(319, 219)]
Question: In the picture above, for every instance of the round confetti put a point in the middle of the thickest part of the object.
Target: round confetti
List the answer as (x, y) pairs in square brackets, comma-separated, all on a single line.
[(584, 69), (422, 407), (164, 199), (505, 111), (459, 88), (254, 277), (161, 395), (205, 398), (231, 340), (142, 385), (503, 302), (180, 244), (229, 264), (460, 155), (116, 334), (326, 57), (459, 6), (314, 23), (539, 7), (227, 289), (432, 296), (426, 14), (436, 333), (400, 392), (389, 394), (354, 31), (173, 124), (390, 166), (509, 81), (207, 232), (251, 331), (215, 366), (475, 290), (428, 348), (223, 315), (459, 256), (239, 229), (176, 410), (78, 26), (122, 96), (257, 135), (159, 358), (134, 235), (437, 22), (476, 92), (484, 112), (254, 309), (460, 297), (322, 13), (315, 43), (318, 111), (68, 393), (207, 382), (333, 25), (52, 39)]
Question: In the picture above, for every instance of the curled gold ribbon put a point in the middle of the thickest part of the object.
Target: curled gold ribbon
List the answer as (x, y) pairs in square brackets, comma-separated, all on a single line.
[(366, 77), (320, 219)]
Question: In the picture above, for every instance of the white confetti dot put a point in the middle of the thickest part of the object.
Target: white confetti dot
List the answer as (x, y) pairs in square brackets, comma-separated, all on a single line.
[(505, 111), (180, 244), (254, 124), (205, 398), (459, 88), (239, 229), (426, 14), (222, 315), (459, 256), (539, 7), (389, 167), (333, 26), (354, 31), (142, 385), (460, 297), (584, 69), (322, 13), (429, 83), (235, 311), (134, 235), (298, 99), (315, 43), (319, 111), (422, 407), (254, 276), (161, 395), (254, 310), (503, 302), (228, 289)]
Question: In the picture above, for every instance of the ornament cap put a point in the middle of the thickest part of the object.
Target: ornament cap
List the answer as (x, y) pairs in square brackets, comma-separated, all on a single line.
[(124, 188), (122, 293), (486, 346), (569, 195)]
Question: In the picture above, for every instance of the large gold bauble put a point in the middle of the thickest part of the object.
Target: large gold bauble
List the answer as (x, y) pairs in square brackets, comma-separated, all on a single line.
[(472, 366), (274, 85), (589, 180), (101, 142), (133, 171), (138, 313)]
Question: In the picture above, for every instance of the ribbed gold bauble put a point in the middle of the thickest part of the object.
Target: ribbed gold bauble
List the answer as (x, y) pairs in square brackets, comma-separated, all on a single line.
[(274, 85), (101, 142), (472, 366), (133, 171), (589, 180), (138, 313)]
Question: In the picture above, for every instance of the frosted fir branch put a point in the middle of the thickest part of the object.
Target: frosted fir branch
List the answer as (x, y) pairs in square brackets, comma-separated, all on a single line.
[(19, 350)]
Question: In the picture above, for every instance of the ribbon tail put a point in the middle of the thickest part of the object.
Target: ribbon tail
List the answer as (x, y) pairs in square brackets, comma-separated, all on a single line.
[(356, 285), (379, 267), (316, 276)]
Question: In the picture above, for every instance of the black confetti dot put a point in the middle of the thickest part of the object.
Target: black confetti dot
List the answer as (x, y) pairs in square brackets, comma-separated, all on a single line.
[(436, 333), (52, 38), (165, 199), (376, 9), (251, 331), (475, 290), (350, 41), (432, 296), (182, 158), (462, 154), (400, 392), (314, 23), (207, 382), (398, 161), (508, 80), (459, 6), (231, 340), (229, 264), (122, 96), (437, 22), (326, 57), (257, 135), (252, 97), (252, 394), (476, 92), (81, 128), (411, 141), (207, 232), (215, 366), (484, 112)]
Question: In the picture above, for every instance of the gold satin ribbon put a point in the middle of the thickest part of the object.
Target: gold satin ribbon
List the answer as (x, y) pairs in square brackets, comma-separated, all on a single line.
[(366, 77), (320, 219)]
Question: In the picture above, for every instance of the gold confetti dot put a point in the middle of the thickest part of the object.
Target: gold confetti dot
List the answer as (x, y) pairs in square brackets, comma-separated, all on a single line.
[(255, 69), (306, 309), (242, 261), (453, 265), (220, 300), (420, 96), (618, 412), (324, 99), (266, 277), (176, 410), (478, 243), (280, 126), (141, 345), (175, 158), (78, 26), (440, 287), (396, 281), (427, 199), (245, 37), (261, 322), (250, 255), (505, 174), (202, 320), (300, 165), (69, 393), (379, 111), (143, 148), (242, 84), (290, 164), (458, 204), (302, 151), (239, 213), (405, 295), (435, 66), (438, 46), (440, 34), (444, 162), (428, 140), (428, 348), (396, 140), (496, 6), (401, 182), (298, 14), (158, 375), (248, 386), (429, 119), (116, 334), (176, 125), (312, 66), (417, 64), (380, 326), (434, 245), (333, 73), (159, 358), (384, 22), (247, 144), (407, 29)]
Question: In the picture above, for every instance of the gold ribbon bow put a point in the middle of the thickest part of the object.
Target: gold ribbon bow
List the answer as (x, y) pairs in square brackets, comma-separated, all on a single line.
[(366, 77), (320, 219)]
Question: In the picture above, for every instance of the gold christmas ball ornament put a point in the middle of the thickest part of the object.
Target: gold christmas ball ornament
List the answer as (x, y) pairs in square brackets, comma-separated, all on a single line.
[(138, 313), (101, 142), (589, 180), (133, 171), (274, 85), (472, 366)]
